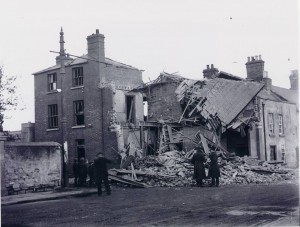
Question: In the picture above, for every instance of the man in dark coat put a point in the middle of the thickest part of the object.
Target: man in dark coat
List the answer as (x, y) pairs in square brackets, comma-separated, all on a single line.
[(198, 160), (82, 171), (214, 171), (101, 173), (76, 171)]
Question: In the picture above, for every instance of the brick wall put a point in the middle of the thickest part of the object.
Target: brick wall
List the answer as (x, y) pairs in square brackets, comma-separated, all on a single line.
[(162, 102)]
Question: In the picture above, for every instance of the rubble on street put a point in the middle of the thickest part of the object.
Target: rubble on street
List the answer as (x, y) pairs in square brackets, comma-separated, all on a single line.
[(173, 169)]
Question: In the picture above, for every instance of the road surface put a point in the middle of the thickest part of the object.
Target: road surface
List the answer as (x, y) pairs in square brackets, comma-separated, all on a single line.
[(246, 205)]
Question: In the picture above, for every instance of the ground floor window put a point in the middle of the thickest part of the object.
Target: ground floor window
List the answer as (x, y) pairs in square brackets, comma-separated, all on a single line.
[(80, 145), (273, 155)]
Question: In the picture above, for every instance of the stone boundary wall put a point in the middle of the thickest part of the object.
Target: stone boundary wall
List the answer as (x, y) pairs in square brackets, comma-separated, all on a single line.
[(30, 163)]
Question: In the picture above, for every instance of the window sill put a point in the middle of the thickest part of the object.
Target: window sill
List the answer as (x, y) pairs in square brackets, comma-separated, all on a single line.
[(78, 126), (52, 129), (78, 87), (52, 92), (281, 135)]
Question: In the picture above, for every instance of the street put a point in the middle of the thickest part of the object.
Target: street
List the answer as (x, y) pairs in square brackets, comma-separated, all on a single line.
[(235, 205)]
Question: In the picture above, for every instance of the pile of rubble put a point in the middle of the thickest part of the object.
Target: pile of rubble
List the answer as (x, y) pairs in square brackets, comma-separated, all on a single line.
[(173, 169), (246, 170)]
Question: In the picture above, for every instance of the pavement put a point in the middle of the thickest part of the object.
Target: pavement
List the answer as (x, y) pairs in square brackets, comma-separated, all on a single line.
[(47, 195)]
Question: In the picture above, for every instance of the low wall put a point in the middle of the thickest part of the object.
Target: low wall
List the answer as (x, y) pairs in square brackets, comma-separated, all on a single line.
[(28, 164)]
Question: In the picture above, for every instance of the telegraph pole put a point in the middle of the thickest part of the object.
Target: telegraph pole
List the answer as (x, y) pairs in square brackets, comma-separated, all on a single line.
[(62, 56)]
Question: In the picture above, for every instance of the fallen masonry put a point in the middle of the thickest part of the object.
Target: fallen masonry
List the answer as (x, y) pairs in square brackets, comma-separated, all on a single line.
[(173, 169)]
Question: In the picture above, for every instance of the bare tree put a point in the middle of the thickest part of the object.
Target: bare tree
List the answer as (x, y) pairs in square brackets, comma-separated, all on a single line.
[(8, 97)]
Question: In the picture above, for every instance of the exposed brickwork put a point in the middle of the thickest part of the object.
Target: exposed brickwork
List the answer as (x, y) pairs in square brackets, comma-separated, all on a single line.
[(163, 103)]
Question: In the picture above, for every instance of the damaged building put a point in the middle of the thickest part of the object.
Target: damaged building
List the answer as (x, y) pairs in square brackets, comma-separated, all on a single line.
[(224, 112), (83, 101)]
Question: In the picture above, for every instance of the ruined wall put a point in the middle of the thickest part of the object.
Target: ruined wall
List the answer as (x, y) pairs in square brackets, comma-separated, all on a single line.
[(28, 164), (162, 102)]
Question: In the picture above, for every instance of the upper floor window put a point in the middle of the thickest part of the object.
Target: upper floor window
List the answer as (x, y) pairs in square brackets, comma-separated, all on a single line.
[(130, 110), (77, 76), (271, 123), (78, 112), (280, 124), (52, 82), (52, 116)]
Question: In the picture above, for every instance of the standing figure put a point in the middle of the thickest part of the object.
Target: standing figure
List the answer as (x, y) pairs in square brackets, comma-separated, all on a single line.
[(82, 172), (198, 160), (75, 171), (91, 173), (101, 173), (214, 170)]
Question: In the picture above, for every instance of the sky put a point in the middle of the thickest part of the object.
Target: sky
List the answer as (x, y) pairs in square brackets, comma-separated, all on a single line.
[(180, 36)]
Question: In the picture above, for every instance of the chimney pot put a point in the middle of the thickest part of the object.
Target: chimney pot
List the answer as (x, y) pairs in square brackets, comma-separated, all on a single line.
[(256, 57), (248, 59), (212, 66), (97, 31), (252, 58), (259, 57), (207, 66)]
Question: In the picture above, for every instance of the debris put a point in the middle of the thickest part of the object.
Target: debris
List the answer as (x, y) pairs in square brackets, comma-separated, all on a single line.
[(173, 169)]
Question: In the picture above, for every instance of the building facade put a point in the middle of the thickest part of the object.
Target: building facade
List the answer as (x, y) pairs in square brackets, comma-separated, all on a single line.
[(80, 100)]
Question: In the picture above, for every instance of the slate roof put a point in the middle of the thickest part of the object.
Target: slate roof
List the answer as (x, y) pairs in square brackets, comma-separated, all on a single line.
[(290, 95), (227, 98), (84, 59), (270, 95)]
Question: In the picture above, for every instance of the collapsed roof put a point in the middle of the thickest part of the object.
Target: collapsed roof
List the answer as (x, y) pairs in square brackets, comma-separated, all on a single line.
[(218, 101)]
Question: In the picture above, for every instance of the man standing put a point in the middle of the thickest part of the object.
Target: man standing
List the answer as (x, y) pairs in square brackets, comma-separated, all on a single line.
[(101, 173), (198, 160), (214, 170), (75, 171)]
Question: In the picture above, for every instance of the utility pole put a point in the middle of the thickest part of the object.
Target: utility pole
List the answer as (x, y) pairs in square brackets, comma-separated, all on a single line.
[(64, 143)]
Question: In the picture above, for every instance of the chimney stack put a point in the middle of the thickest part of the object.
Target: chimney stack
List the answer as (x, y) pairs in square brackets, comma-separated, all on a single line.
[(255, 68), (210, 73), (294, 80), (95, 44), (267, 81)]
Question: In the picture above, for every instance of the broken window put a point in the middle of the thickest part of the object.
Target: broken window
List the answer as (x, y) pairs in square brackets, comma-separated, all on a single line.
[(52, 116), (80, 146), (52, 82), (271, 123), (273, 155), (280, 124), (145, 104), (77, 76), (130, 110), (78, 112)]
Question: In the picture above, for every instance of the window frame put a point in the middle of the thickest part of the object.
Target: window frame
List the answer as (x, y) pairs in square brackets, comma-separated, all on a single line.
[(52, 116), (52, 83), (78, 110), (280, 124), (271, 123), (77, 76)]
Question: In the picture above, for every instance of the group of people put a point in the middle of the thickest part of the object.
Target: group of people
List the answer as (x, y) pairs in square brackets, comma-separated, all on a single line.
[(97, 172), (199, 160), (81, 170)]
